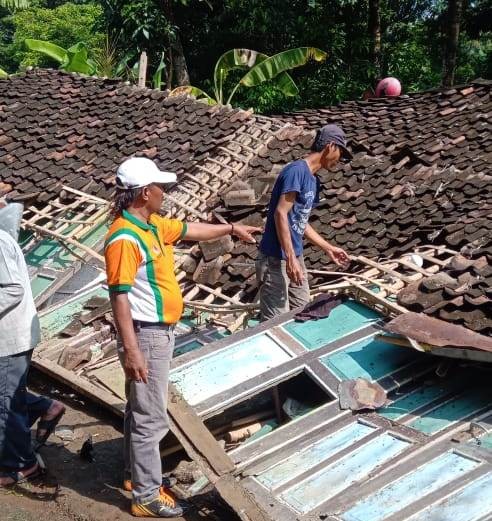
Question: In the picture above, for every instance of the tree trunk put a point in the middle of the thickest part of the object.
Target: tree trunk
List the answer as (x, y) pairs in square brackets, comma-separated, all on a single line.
[(374, 28), (181, 76), (178, 70), (170, 68), (453, 19)]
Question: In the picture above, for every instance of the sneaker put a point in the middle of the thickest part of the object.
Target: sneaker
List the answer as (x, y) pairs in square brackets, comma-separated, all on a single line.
[(163, 506), (166, 483)]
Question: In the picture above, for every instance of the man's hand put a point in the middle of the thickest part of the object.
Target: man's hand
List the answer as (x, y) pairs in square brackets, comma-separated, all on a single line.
[(135, 366), (294, 270), (244, 232), (338, 256)]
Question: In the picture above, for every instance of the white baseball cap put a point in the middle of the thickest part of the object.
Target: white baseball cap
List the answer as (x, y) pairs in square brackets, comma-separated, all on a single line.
[(137, 172)]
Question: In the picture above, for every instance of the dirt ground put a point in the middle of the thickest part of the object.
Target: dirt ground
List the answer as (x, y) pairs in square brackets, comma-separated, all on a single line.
[(76, 490)]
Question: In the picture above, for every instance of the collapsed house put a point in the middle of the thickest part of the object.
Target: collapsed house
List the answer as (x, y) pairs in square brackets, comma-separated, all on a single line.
[(291, 402)]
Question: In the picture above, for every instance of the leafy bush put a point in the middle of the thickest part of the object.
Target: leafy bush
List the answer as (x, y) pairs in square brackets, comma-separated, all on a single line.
[(64, 25)]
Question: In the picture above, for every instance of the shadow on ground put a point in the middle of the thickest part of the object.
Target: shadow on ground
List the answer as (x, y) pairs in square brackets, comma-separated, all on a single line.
[(76, 490)]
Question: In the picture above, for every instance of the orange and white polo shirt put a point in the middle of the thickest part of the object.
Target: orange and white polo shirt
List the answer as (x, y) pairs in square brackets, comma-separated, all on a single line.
[(140, 261)]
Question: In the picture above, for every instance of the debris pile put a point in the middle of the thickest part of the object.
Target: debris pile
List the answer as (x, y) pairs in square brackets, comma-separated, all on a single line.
[(461, 293)]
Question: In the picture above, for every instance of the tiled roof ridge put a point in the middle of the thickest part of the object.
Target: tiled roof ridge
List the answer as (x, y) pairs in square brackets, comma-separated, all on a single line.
[(116, 84), (412, 96), (67, 128)]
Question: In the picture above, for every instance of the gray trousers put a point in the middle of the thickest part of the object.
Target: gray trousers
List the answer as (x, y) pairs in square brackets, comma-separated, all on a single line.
[(277, 292), (146, 421)]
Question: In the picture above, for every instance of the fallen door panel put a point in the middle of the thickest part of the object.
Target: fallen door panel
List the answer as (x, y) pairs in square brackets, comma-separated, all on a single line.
[(328, 482), (218, 372), (453, 411), (346, 318), (411, 488), (325, 448), (472, 503), (369, 358)]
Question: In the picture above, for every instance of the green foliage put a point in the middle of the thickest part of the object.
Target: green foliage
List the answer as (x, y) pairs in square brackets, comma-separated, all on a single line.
[(199, 94), (3, 74), (260, 69), (276, 65), (476, 58), (73, 59), (107, 60), (14, 4), (63, 26), (116, 31), (409, 60), (157, 78), (247, 60)]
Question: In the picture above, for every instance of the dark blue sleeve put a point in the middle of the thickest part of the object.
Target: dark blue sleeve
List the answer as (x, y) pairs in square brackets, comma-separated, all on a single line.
[(292, 179)]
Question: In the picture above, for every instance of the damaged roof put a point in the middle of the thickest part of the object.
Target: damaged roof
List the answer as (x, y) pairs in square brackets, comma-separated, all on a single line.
[(419, 175), (440, 126), (58, 128)]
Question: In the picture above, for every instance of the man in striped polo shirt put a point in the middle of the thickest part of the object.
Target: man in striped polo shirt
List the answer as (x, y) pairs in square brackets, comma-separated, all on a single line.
[(147, 302)]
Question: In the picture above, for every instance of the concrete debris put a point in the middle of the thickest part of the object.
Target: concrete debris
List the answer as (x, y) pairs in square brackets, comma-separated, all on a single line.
[(212, 249), (240, 198)]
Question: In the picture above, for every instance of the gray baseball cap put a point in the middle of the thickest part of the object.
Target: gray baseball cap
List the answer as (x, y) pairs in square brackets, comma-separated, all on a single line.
[(331, 134)]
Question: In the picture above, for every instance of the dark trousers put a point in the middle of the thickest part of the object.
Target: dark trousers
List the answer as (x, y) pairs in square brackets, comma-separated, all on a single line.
[(19, 410)]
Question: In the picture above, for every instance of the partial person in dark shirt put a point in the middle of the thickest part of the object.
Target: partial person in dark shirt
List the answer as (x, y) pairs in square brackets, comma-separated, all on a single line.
[(280, 270)]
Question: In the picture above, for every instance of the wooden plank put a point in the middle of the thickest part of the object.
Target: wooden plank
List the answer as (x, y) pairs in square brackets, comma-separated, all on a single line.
[(382, 267), (189, 422), (112, 377), (142, 70), (186, 207), (99, 312), (85, 195), (314, 432), (276, 510), (278, 333), (291, 433), (202, 447), (373, 298), (62, 238), (80, 384)]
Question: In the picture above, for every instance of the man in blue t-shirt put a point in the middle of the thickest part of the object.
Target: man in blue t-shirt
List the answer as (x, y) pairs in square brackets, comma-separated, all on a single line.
[(280, 269)]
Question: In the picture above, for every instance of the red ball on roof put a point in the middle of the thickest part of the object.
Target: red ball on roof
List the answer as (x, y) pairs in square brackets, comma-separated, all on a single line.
[(388, 87)]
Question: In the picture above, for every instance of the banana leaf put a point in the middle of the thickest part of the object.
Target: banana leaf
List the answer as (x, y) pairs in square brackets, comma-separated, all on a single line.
[(49, 49), (199, 94), (14, 4), (246, 59), (73, 59), (78, 60), (279, 63), (157, 77)]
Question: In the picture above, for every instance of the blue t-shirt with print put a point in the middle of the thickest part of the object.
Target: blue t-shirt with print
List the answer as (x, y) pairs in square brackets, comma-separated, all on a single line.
[(295, 177)]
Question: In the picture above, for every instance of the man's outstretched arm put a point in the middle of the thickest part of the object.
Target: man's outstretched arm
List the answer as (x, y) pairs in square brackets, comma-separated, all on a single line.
[(206, 232), (337, 255)]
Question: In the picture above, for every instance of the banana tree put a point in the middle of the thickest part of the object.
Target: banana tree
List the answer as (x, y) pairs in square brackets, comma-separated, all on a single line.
[(14, 4), (260, 68), (73, 59)]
